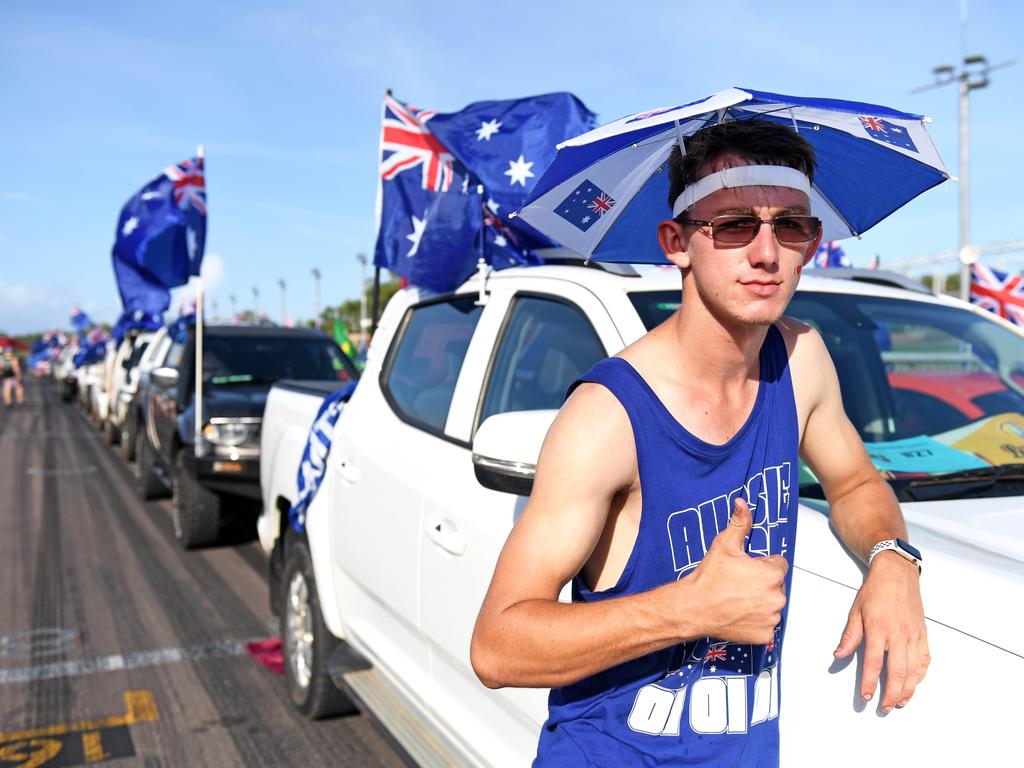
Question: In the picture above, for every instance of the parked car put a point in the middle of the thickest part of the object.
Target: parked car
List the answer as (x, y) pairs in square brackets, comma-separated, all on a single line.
[(152, 357), (122, 380), (63, 373), (240, 364), (432, 461)]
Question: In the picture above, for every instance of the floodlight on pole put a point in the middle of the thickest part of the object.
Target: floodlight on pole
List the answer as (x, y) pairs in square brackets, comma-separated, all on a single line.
[(316, 295), (256, 304), (363, 321), (284, 314), (972, 76)]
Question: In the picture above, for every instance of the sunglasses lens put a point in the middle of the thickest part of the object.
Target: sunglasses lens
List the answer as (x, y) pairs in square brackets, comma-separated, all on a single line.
[(796, 229), (734, 230)]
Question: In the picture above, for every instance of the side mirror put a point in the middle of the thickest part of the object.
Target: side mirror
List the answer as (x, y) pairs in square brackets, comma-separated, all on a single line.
[(506, 448), (165, 377)]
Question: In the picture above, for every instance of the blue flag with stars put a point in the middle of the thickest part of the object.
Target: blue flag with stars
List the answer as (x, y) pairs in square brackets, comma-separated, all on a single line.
[(450, 181), (161, 237)]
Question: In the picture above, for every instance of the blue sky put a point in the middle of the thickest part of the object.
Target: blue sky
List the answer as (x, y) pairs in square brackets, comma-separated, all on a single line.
[(99, 97)]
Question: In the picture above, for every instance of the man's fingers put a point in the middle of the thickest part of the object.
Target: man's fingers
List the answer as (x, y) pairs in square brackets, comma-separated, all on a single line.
[(734, 536), (895, 675), (874, 654), (852, 635)]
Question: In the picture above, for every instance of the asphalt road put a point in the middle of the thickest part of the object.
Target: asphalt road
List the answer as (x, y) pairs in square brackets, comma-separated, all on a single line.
[(115, 645)]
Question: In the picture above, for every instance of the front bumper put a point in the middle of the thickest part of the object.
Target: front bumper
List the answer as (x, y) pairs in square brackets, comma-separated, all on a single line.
[(226, 471)]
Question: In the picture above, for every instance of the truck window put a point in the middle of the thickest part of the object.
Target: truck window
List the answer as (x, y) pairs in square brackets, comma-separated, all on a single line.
[(546, 345), (426, 361)]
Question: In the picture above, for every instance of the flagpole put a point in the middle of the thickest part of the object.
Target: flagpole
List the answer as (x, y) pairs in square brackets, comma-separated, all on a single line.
[(197, 437)]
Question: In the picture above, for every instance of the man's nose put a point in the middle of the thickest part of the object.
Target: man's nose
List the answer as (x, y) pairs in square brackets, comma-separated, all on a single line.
[(764, 248)]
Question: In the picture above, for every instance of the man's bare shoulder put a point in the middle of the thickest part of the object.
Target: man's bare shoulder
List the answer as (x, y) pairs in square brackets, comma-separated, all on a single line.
[(590, 442), (803, 342)]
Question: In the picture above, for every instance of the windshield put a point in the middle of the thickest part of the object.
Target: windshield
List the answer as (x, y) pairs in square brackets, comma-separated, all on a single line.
[(256, 360), (932, 390)]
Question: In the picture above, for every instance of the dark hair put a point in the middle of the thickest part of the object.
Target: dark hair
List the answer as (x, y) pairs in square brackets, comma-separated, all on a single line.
[(758, 141)]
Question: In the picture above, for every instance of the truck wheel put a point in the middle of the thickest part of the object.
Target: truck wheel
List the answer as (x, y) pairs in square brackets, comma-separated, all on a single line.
[(195, 509), (306, 642), (147, 482), (128, 438), (110, 433)]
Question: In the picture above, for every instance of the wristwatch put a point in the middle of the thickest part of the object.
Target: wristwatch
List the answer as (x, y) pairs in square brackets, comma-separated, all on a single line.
[(900, 547)]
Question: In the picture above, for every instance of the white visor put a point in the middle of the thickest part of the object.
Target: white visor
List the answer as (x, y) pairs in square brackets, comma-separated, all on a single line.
[(741, 176)]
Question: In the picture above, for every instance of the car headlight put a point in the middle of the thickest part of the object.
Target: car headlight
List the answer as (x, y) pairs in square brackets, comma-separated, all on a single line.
[(231, 433)]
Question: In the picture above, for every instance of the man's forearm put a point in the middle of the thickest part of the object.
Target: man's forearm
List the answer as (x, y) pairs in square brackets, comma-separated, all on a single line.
[(544, 644), (866, 515)]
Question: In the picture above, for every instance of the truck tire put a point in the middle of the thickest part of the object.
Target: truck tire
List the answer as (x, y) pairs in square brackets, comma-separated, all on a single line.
[(306, 642), (195, 509), (128, 429), (147, 482), (110, 432)]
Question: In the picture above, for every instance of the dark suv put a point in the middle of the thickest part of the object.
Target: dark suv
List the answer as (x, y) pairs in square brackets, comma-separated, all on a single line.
[(240, 364)]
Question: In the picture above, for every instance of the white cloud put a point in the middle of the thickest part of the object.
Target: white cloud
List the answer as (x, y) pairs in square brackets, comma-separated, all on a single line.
[(16, 295)]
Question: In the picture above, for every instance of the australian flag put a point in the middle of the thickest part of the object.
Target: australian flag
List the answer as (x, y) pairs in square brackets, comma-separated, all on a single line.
[(161, 238), (831, 254), (450, 181), (890, 133), (998, 292)]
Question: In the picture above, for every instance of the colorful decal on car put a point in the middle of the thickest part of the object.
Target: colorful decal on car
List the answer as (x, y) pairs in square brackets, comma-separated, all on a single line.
[(921, 454), (998, 439)]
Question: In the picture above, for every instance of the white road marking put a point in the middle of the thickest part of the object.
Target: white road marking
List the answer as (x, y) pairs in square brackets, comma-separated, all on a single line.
[(124, 661)]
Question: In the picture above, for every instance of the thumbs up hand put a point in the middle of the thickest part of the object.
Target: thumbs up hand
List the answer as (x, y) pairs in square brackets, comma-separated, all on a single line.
[(741, 597)]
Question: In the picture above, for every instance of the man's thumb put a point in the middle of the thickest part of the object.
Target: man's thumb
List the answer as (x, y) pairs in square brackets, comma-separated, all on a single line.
[(735, 533)]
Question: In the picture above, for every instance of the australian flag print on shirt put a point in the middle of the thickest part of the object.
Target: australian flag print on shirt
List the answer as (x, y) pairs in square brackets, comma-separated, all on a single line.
[(882, 130)]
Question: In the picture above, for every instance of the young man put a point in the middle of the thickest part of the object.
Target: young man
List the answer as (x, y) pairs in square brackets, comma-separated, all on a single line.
[(666, 490), (10, 372)]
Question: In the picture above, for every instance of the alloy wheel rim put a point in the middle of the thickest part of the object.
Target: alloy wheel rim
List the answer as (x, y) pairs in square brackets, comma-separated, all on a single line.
[(299, 631)]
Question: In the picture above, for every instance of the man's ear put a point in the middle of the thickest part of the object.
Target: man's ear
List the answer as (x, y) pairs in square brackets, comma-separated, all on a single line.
[(673, 243), (812, 247)]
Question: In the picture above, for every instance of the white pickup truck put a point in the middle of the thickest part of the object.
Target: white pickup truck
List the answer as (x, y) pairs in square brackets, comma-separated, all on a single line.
[(432, 461)]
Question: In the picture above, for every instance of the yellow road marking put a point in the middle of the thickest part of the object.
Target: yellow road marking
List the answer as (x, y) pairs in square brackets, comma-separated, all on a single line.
[(139, 708), (92, 747)]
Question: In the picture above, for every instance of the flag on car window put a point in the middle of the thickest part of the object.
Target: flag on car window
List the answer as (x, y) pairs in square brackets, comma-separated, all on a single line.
[(998, 292), (449, 182)]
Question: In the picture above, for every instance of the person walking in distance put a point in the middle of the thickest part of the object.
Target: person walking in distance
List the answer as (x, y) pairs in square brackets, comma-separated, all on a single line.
[(10, 372), (666, 491)]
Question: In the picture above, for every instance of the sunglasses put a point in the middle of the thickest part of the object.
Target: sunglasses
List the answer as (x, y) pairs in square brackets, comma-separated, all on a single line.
[(735, 230)]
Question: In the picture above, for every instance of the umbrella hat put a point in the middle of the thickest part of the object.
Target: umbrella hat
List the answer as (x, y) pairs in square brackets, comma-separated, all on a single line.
[(606, 190)]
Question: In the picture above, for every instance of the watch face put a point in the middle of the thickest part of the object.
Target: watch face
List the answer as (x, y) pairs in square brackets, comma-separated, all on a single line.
[(906, 547)]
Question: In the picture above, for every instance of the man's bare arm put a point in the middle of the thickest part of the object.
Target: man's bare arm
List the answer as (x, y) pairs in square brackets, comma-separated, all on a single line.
[(887, 613), (525, 637)]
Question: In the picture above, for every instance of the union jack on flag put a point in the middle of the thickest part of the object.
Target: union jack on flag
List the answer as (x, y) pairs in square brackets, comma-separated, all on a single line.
[(601, 204), (998, 292), (189, 184), (715, 653), (406, 142)]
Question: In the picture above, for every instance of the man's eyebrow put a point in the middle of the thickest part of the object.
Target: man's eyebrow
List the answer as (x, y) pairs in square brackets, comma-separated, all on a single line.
[(798, 210)]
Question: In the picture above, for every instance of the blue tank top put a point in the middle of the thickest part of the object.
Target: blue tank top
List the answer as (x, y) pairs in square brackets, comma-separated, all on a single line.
[(705, 702)]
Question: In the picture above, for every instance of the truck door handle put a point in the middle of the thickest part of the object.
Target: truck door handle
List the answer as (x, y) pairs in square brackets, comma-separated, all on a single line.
[(445, 535), (349, 472)]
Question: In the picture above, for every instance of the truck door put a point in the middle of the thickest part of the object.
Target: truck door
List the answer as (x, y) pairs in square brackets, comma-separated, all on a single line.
[(386, 454), (541, 343)]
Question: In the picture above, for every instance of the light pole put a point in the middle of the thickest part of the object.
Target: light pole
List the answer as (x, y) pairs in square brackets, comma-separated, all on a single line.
[(972, 75), (234, 308), (284, 315), (316, 295), (256, 304), (361, 258)]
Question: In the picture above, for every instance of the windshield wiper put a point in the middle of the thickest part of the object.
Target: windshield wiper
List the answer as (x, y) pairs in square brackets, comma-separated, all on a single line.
[(239, 378), (964, 483)]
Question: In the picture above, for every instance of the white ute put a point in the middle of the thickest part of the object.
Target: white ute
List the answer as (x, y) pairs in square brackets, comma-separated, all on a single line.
[(434, 450)]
